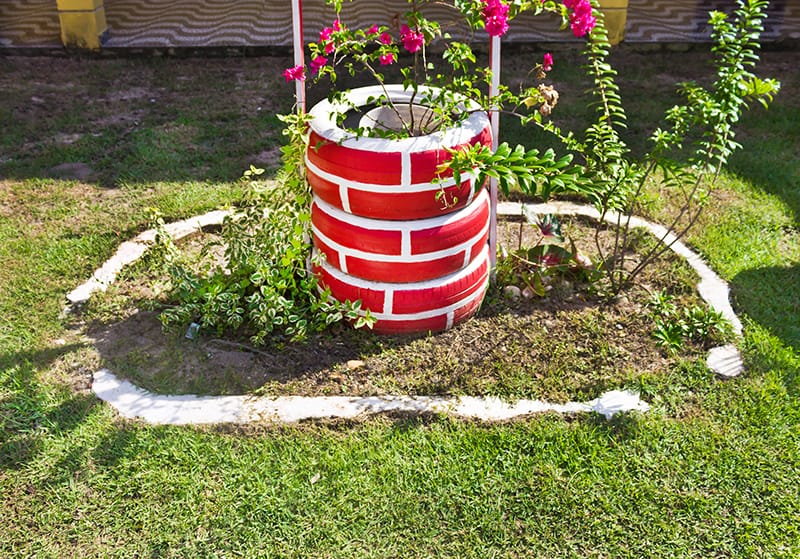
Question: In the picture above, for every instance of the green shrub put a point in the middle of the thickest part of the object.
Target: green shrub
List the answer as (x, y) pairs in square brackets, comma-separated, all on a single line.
[(265, 288)]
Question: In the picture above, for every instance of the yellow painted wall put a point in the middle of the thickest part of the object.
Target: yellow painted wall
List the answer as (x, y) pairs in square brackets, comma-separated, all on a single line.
[(83, 23)]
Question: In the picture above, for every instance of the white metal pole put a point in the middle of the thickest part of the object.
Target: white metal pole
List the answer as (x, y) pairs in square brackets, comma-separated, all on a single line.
[(494, 89), (299, 57)]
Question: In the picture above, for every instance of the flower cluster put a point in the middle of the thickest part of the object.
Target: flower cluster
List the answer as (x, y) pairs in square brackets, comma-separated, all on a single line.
[(412, 39), (495, 18), (495, 15), (295, 73), (373, 47), (326, 37), (581, 20)]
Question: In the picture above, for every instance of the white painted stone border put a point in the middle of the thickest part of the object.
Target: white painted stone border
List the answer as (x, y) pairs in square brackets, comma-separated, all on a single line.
[(133, 402), (131, 251)]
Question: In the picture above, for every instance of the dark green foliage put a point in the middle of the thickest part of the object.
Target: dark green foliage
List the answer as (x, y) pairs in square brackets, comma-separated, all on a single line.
[(265, 286), (700, 132), (673, 327)]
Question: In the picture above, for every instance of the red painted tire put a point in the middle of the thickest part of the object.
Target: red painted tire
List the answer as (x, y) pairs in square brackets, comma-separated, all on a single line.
[(401, 251), (384, 178), (414, 307)]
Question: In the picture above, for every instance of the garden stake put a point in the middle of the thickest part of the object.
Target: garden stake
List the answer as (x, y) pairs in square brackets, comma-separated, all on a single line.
[(299, 57), (494, 116)]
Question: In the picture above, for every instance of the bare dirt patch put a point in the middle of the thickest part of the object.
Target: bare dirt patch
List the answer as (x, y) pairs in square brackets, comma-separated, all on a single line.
[(73, 171)]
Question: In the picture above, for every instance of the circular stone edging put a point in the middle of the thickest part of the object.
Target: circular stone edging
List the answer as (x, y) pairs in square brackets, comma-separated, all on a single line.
[(131, 401)]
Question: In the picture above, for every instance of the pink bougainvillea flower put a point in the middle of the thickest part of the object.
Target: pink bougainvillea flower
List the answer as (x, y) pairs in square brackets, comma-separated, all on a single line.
[(581, 20), (386, 59), (495, 15), (326, 34), (582, 9), (372, 30), (547, 63), (385, 38), (582, 25), (317, 63), (412, 40), (296, 73), (325, 39), (496, 26)]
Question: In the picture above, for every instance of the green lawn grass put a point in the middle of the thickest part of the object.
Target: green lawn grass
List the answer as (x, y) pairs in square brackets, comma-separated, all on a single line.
[(711, 471)]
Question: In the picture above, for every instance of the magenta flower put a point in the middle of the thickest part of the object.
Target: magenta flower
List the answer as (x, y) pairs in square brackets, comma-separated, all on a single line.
[(386, 59), (547, 63), (582, 25), (296, 73), (412, 40), (325, 39), (495, 15), (326, 34), (551, 260), (385, 38), (582, 9), (318, 63), (372, 30), (581, 19)]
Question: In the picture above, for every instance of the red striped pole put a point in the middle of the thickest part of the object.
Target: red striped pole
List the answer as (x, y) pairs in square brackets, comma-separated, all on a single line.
[(494, 89), (299, 57)]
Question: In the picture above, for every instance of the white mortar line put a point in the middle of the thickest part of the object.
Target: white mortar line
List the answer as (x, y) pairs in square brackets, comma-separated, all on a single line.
[(372, 188), (405, 169)]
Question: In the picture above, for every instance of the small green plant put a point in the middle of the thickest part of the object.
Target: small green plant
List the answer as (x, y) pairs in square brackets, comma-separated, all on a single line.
[(265, 286), (668, 335), (705, 324), (533, 267), (673, 327)]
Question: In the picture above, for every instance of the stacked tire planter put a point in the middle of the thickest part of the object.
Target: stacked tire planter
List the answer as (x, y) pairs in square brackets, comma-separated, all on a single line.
[(416, 260)]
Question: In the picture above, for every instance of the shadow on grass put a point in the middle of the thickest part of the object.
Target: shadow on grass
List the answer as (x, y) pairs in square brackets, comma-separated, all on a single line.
[(771, 297), (161, 153), (27, 414), (139, 120), (138, 349)]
